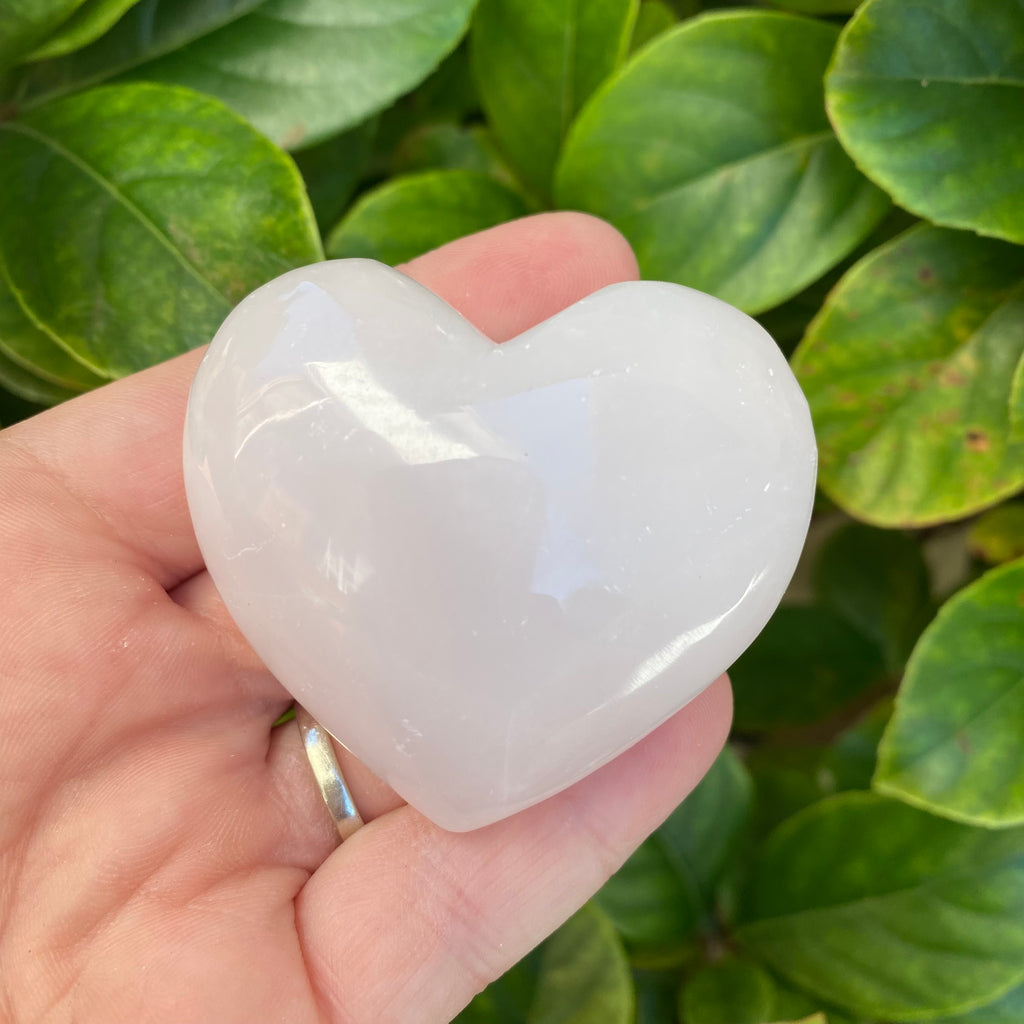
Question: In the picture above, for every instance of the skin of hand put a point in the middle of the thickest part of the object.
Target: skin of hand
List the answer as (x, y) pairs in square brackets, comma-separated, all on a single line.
[(165, 855)]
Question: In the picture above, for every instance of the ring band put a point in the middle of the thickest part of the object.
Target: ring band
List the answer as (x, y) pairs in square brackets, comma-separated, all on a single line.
[(320, 751)]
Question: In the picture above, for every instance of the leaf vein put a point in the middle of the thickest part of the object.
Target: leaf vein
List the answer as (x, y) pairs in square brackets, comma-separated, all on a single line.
[(120, 198)]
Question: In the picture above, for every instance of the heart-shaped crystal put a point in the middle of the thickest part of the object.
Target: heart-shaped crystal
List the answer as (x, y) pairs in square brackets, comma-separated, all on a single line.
[(489, 569)]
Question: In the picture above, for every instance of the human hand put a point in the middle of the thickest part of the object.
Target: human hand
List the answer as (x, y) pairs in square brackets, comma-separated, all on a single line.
[(165, 854)]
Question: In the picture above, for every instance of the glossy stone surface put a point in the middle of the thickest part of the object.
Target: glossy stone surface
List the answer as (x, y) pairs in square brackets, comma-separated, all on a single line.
[(489, 569)]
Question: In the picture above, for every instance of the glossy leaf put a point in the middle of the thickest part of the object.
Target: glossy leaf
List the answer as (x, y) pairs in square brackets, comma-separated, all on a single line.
[(787, 778), (807, 663), (736, 990), (850, 760), (711, 151), (36, 352), (878, 581), (907, 370), (788, 323), (87, 24), (818, 6), (733, 991), (652, 19), (954, 743), (656, 996), (451, 147), (887, 911), (26, 23), (997, 536), (27, 386), (300, 70), (926, 96), (1017, 403), (150, 29), (536, 64), (1007, 1010), (410, 215), (655, 909), (133, 218), (332, 169), (664, 892), (578, 976), (795, 1007), (447, 97)]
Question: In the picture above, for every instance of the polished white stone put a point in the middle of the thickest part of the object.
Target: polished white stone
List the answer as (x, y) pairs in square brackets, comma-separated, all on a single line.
[(489, 569)]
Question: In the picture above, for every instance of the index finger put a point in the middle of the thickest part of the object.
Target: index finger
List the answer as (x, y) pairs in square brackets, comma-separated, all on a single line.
[(117, 450)]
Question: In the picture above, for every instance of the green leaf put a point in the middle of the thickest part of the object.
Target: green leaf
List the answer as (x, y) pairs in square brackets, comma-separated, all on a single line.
[(879, 582), (888, 911), (927, 96), (997, 536), (656, 996), (133, 218), (907, 371), (13, 409), (87, 24), (451, 147), (792, 1005), (954, 743), (149, 30), (27, 386), (409, 216), (654, 908), (1017, 403), (653, 18), (332, 169), (300, 70), (662, 895), (851, 759), (1007, 1010), (448, 96), (787, 778), (36, 352), (788, 323), (818, 6), (25, 23), (536, 64), (733, 991), (711, 151), (807, 663), (578, 976)]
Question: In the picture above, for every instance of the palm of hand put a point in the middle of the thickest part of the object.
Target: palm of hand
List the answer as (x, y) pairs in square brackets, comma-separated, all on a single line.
[(164, 855)]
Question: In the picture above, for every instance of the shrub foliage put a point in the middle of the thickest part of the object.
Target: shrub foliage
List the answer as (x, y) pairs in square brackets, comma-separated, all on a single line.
[(852, 174)]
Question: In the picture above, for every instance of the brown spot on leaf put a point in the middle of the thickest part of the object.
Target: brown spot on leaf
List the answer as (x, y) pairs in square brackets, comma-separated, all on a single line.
[(925, 274), (963, 742), (977, 440)]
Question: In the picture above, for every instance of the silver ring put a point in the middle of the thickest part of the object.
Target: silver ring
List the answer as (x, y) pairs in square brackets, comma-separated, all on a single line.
[(317, 743)]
